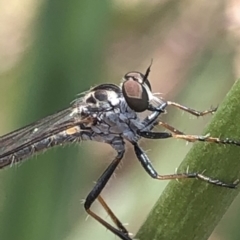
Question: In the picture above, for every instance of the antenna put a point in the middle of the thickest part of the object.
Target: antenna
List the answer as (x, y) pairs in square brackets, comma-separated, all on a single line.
[(147, 72)]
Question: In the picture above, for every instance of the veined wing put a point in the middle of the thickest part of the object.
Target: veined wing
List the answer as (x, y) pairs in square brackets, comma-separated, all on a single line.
[(38, 131)]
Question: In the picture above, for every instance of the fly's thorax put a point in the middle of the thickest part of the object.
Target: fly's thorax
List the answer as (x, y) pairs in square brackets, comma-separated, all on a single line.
[(120, 121), (98, 99)]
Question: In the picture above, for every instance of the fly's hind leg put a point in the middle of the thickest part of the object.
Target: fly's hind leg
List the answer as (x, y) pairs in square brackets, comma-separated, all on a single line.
[(120, 231), (112, 215)]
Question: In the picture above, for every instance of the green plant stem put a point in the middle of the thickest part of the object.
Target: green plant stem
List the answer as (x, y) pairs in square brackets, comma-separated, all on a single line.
[(190, 209)]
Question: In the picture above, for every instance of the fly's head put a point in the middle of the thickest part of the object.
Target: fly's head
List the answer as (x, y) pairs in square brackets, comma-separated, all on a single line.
[(137, 91)]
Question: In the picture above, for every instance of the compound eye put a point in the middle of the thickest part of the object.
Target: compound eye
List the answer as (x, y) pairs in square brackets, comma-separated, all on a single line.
[(135, 95), (139, 77)]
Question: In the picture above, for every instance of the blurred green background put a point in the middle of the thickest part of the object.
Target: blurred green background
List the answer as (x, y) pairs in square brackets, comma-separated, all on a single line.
[(52, 50)]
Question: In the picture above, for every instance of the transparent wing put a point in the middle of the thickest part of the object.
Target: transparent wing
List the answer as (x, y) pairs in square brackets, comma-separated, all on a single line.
[(37, 131)]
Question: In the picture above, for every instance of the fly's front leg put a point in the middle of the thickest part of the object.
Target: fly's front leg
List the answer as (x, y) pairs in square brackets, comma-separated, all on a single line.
[(95, 194), (152, 118), (192, 111), (144, 160)]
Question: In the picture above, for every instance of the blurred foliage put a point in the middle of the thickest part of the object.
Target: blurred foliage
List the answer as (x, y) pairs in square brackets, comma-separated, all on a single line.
[(70, 46)]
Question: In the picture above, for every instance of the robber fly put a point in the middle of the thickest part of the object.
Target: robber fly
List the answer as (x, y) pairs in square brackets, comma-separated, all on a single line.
[(107, 113)]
